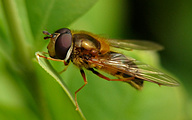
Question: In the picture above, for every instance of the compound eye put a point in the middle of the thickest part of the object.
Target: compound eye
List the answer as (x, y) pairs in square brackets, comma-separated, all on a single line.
[(63, 45), (63, 30)]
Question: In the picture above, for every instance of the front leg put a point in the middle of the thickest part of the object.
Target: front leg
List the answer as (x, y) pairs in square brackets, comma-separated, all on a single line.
[(53, 59)]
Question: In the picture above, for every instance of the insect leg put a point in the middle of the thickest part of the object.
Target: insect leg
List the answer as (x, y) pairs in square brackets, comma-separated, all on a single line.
[(85, 82), (45, 52), (66, 64), (49, 58), (106, 78)]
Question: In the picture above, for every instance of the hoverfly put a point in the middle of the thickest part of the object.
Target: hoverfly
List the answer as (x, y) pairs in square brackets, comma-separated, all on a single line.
[(91, 52)]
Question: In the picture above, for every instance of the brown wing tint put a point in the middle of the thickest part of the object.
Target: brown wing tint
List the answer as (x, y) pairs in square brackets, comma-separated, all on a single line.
[(119, 65)]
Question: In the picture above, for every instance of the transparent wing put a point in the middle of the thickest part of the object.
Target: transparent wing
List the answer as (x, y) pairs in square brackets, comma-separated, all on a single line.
[(131, 67), (134, 44), (151, 74)]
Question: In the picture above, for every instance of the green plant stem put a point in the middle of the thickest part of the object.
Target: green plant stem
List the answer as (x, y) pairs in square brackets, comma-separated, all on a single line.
[(22, 55), (21, 51)]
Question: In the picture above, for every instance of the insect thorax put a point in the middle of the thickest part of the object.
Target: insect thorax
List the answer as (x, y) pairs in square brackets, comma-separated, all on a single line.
[(85, 48)]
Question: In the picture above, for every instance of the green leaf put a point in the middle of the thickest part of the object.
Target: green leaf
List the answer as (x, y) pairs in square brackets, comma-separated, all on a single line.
[(21, 26), (47, 67), (101, 99), (33, 93), (54, 14)]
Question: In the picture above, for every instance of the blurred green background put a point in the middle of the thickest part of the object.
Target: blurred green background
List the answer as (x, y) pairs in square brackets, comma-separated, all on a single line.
[(27, 91)]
